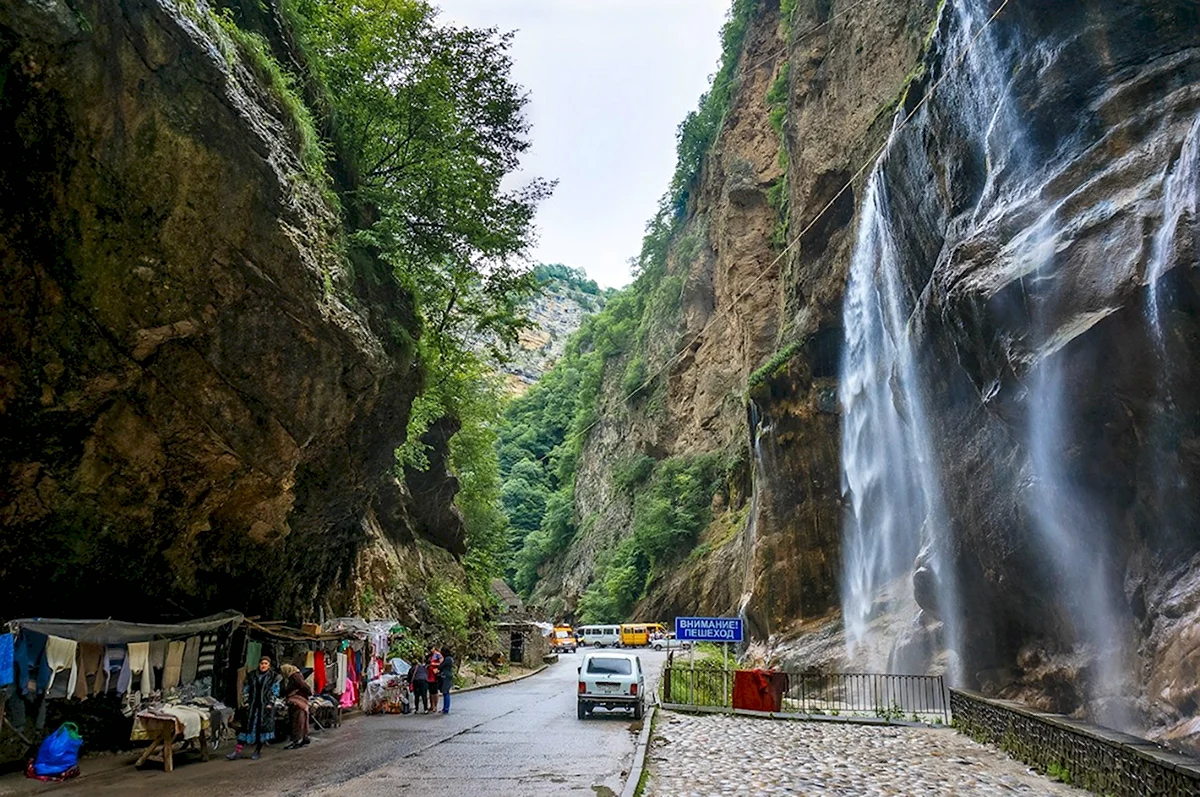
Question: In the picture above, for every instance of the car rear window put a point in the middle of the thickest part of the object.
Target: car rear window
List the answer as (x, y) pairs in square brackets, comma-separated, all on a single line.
[(609, 667)]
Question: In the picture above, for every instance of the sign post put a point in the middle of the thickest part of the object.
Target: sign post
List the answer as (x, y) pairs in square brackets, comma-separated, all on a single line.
[(710, 629)]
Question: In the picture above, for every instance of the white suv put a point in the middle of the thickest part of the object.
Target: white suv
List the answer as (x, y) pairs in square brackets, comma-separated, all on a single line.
[(611, 680)]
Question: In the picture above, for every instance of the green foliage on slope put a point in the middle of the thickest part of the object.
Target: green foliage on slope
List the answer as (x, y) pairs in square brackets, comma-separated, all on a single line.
[(543, 431), (425, 124)]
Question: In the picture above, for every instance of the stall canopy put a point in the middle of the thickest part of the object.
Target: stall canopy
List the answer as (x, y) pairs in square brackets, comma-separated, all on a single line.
[(359, 628), (115, 632)]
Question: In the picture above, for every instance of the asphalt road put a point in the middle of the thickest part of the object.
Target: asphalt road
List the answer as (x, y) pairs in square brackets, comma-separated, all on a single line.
[(520, 739)]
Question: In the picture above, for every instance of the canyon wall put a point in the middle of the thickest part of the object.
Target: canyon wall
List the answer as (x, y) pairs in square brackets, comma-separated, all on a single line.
[(201, 393), (1012, 189)]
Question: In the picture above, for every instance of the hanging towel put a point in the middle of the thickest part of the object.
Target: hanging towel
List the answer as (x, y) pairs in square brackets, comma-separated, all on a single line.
[(7, 665), (309, 658), (60, 655), (253, 654), (138, 661), (191, 660), (208, 655), (319, 672), (174, 666), (89, 664)]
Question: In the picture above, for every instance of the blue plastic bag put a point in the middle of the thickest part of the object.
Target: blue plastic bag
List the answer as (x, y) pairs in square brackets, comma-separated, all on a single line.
[(59, 751)]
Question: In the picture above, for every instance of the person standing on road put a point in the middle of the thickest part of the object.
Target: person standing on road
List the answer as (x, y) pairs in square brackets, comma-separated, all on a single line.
[(447, 673), (258, 723), (434, 667), (296, 693), (418, 678)]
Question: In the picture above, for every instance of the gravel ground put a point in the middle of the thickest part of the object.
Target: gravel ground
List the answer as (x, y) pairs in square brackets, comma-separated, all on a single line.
[(716, 754)]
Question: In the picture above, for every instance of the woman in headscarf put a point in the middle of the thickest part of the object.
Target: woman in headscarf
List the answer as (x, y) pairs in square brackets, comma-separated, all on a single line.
[(258, 695), (296, 692)]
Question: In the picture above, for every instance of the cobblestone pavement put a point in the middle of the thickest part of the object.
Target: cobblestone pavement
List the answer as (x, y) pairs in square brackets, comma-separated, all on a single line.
[(716, 755)]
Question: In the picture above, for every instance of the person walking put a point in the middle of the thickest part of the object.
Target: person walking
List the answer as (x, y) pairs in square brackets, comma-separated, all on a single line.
[(418, 679), (447, 675), (296, 692), (434, 667), (258, 698)]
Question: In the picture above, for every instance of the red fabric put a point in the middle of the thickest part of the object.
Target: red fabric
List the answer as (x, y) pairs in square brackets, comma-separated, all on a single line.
[(434, 666), (319, 671), (758, 690)]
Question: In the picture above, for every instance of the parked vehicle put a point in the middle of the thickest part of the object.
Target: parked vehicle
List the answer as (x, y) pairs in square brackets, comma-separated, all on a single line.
[(637, 635), (600, 636), (563, 639), (667, 642), (609, 680)]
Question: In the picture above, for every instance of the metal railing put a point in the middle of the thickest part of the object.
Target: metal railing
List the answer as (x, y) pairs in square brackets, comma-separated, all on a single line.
[(913, 698)]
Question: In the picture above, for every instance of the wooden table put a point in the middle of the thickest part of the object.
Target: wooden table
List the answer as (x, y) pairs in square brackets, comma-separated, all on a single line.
[(161, 733)]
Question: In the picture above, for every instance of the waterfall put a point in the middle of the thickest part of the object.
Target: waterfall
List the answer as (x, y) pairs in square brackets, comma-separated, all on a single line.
[(888, 475), (759, 427), (891, 480), (1180, 184)]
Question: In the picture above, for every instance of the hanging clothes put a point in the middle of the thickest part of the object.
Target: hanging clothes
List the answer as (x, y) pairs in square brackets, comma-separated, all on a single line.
[(174, 666), (89, 664), (115, 662), (191, 660), (339, 683), (7, 663), (29, 659), (319, 672), (208, 655), (138, 662), (158, 654), (253, 654), (60, 655)]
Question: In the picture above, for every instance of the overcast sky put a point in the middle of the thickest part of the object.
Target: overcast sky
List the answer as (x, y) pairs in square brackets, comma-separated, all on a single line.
[(609, 81)]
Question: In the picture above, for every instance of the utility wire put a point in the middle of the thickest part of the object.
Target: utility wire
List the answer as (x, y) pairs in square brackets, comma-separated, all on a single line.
[(727, 311)]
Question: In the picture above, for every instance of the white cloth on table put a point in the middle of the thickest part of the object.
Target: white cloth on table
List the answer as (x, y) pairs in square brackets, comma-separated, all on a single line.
[(192, 719), (60, 655)]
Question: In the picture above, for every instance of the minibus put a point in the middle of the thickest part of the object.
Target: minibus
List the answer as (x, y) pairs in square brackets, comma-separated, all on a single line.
[(600, 636)]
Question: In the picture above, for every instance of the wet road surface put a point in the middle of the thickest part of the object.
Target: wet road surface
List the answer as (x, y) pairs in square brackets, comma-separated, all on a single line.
[(521, 738)]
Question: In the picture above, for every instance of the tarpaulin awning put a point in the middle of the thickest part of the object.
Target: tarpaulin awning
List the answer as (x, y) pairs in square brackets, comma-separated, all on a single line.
[(116, 632)]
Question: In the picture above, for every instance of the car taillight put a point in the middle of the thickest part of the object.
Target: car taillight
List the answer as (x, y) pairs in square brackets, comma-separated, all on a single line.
[(633, 689), (582, 687)]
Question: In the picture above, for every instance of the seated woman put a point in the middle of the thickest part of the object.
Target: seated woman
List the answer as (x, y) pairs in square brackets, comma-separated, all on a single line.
[(296, 692)]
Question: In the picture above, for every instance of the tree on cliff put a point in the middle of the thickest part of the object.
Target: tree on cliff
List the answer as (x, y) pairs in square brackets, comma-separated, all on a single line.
[(433, 123)]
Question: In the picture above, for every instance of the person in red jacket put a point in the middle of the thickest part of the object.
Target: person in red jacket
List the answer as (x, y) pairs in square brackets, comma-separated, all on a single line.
[(433, 668)]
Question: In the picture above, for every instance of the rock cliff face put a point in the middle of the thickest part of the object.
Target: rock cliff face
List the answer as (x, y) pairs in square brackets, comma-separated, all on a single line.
[(555, 313), (986, 456), (199, 396)]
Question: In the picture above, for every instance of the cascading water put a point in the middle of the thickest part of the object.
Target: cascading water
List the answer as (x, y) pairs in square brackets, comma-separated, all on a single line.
[(1181, 185), (759, 427), (888, 475)]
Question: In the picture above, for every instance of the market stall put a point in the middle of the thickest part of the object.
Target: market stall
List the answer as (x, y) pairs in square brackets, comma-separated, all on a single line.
[(163, 677)]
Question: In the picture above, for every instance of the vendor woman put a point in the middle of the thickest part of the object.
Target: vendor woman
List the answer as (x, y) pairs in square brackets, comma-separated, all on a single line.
[(296, 693), (258, 695)]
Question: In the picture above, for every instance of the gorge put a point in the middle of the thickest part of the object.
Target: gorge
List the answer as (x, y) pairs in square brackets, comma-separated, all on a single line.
[(906, 377)]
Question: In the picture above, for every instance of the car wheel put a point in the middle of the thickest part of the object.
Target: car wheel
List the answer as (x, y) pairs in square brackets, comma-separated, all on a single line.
[(583, 712), (596, 644), (639, 709), (658, 647)]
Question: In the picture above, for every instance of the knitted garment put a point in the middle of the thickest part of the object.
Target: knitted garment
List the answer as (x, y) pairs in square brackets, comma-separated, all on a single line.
[(60, 655)]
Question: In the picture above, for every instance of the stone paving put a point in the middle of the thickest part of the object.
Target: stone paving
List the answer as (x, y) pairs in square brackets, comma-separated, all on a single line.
[(713, 754)]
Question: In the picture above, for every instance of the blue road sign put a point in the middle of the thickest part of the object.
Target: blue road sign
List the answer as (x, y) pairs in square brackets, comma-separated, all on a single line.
[(708, 629)]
